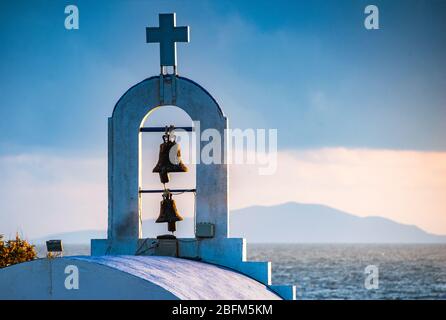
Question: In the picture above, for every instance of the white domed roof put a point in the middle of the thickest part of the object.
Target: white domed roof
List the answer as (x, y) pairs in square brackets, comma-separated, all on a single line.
[(128, 277)]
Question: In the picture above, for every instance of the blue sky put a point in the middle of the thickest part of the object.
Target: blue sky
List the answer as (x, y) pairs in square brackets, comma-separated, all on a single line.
[(360, 114), (308, 68)]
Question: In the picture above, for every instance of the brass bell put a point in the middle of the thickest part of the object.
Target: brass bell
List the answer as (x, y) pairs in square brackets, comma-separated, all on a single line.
[(169, 150), (169, 212)]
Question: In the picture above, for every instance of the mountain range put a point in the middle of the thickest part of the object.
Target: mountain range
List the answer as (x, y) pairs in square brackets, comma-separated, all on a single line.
[(289, 223)]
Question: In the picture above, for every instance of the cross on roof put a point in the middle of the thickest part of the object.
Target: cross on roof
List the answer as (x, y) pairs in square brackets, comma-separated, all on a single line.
[(167, 35)]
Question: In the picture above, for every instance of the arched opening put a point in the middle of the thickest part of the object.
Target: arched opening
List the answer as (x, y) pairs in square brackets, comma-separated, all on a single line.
[(125, 158), (149, 143)]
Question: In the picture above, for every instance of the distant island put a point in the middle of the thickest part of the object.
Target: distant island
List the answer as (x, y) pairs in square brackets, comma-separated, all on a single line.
[(289, 223)]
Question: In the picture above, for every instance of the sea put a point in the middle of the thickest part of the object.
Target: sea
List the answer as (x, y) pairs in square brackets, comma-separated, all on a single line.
[(348, 271)]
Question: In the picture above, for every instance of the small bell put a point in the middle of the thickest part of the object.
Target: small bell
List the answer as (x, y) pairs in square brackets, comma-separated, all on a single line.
[(168, 212), (169, 150)]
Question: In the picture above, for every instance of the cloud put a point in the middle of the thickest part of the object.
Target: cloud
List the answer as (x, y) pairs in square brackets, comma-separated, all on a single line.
[(46, 193), (406, 186)]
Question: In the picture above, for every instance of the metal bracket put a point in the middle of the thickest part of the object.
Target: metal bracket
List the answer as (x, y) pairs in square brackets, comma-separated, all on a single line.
[(204, 230), (171, 190), (168, 89), (163, 129)]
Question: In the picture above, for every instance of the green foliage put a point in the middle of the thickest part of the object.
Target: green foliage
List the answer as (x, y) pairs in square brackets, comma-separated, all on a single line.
[(15, 251)]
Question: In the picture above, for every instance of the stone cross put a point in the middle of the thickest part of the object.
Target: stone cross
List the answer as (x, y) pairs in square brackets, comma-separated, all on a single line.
[(167, 35)]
